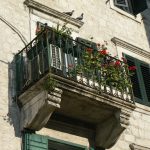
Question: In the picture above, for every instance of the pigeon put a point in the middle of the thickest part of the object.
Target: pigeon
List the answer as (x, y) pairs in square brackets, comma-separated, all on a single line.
[(69, 13), (80, 17)]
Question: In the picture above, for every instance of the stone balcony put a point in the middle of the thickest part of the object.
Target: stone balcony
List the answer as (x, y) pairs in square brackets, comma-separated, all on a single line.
[(76, 94)]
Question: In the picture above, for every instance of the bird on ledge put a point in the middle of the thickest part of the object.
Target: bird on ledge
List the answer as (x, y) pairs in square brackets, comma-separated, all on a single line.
[(80, 17), (69, 13)]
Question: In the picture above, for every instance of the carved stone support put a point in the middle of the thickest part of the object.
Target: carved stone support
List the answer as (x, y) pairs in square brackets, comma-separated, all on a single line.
[(108, 132), (36, 112), (138, 147)]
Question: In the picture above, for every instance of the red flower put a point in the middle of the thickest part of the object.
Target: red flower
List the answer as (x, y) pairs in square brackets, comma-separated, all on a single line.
[(103, 52), (124, 60), (117, 63), (132, 68), (89, 50)]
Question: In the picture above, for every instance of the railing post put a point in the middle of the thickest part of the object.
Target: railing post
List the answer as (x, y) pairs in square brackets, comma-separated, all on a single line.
[(48, 49)]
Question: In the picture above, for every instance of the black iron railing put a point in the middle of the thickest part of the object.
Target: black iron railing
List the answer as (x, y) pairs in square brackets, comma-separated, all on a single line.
[(63, 56)]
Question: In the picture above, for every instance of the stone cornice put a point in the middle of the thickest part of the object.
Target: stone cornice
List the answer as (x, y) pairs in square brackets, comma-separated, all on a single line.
[(131, 47), (138, 147), (52, 12)]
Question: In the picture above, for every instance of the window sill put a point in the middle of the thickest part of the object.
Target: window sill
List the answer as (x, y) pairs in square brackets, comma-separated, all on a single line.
[(136, 18)]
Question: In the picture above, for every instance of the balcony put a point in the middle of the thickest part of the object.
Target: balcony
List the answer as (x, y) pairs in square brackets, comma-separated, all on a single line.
[(89, 86)]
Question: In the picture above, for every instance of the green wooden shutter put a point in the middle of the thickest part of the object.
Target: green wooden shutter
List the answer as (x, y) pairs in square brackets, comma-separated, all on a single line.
[(140, 80), (138, 6), (134, 79), (146, 79), (34, 142)]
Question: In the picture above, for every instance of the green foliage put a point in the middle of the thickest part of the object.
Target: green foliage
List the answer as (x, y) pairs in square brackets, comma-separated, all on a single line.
[(103, 69), (49, 84), (64, 30)]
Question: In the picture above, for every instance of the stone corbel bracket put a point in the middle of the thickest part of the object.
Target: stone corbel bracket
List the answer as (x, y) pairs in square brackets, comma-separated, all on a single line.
[(108, 132), (37, 109), (52, 12)]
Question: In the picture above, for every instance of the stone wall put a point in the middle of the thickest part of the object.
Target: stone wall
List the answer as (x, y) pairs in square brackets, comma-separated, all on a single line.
[(138, 132), (14, 32), (101, 22)]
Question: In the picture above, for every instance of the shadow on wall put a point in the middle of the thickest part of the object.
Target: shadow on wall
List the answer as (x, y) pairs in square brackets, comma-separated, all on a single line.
[(13, 116), (72, 126), (146, 21)]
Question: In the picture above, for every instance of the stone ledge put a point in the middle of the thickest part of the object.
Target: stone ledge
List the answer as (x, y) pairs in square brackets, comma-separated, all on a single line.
[(52, 12), (131, 47), (92, 93), (138, 147)]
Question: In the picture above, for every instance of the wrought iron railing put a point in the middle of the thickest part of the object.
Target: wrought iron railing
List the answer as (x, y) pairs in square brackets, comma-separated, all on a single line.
[(71, 59)]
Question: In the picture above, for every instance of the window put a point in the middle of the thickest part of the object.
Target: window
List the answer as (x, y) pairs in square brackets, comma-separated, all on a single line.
[(33, 141), (140, 80), (124, 5), (131, 6)]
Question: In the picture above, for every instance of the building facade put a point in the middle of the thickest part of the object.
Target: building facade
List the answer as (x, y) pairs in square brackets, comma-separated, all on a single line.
[(61, 88)]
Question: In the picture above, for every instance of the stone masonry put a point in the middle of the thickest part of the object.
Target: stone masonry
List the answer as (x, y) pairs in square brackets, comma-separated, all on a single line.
[(101, 22)]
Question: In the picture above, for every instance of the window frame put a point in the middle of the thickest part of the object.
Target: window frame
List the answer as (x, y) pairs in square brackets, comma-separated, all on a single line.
[(136, 18), (126, 1), (32, 140), (128, 6), (144, 100)]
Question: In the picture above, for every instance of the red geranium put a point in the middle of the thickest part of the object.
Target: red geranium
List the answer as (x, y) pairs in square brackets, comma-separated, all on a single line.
[(117, 63), (103, 52), (132, 68)]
